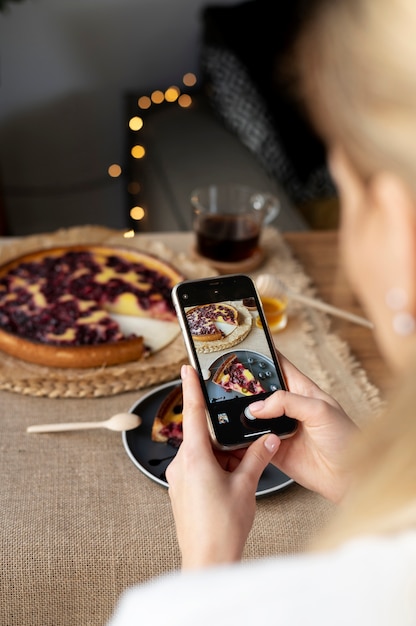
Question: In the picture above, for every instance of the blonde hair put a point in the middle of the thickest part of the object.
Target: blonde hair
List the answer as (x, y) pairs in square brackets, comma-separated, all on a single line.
[(355, 64), (356, 60), (382, 498)]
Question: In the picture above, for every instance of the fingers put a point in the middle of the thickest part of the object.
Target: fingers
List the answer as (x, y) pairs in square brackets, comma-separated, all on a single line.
[(304, 409), (297, 381), (196, 441), (194, 418), (258, 455)]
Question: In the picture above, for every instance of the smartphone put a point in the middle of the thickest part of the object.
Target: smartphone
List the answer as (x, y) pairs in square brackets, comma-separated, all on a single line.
[(230, 346)]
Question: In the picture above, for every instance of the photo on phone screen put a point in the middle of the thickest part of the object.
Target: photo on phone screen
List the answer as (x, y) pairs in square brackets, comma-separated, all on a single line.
[(230, 346)]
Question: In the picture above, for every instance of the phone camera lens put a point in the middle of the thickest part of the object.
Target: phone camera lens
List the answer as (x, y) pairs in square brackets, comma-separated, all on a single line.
[(185, 296)]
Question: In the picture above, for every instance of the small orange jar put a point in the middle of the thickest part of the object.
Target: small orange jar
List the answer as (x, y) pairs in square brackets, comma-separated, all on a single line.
[(275, 313)]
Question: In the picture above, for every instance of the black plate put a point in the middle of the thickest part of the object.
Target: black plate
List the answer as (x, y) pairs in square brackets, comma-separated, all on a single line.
[(152, 458), (260, 366)]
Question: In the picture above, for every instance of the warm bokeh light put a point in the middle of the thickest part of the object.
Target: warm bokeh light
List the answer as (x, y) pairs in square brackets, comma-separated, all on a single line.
[(144, 102), (172, 94), (137, 213), (189, 79), (133, 187), (114, 170), (136, 123), (138, 152), (129, 234), (185, 100), (157, 96)]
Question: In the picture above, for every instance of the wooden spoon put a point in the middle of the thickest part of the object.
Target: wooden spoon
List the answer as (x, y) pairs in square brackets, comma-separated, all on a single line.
[(119, 422), (269, 285)]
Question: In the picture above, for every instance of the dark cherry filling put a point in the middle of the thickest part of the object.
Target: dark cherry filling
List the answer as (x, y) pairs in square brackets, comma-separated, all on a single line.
[(64, 280), (201, 320), (237, 376), (119, 265), (173, 432)]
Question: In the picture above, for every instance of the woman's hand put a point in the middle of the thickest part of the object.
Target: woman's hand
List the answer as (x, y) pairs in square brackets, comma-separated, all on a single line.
[(313, 457), (212, 493)]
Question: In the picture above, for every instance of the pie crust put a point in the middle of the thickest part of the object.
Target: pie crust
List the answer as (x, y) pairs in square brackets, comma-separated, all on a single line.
[(203, 320), (56, 304)]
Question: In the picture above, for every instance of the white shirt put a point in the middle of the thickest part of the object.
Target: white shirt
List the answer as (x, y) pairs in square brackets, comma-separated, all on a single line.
[(366, 582)]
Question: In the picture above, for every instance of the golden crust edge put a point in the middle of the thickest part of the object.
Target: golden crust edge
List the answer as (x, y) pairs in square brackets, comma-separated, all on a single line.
[(77, 357), (56, 250)]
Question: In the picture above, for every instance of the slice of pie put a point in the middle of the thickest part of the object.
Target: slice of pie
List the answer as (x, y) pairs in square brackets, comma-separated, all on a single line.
[(203, 320), (232, 375), (167, 424)]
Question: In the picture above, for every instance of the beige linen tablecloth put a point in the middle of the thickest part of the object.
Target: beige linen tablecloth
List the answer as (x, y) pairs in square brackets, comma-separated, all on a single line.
[(80, 523)]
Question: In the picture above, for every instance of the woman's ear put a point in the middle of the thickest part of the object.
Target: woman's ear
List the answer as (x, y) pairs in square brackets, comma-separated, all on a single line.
[(344, 175), (395, 205)]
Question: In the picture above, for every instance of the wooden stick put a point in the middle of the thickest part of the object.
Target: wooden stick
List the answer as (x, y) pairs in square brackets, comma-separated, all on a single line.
[(328, 308), (269, 285)]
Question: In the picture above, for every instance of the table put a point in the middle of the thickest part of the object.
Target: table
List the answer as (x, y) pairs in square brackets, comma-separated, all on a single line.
[(79, 523)]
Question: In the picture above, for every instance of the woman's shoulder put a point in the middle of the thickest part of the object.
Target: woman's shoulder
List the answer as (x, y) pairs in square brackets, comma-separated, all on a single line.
[(368, 580)]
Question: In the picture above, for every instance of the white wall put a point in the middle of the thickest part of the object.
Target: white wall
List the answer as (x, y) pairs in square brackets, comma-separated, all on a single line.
[(65, 65)]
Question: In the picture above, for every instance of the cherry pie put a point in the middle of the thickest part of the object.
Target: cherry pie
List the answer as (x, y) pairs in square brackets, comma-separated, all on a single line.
[(232, 375), (203, 320), (56, 304)]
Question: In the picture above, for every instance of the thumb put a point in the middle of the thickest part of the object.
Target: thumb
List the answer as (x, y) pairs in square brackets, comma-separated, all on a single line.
[(259, 454)]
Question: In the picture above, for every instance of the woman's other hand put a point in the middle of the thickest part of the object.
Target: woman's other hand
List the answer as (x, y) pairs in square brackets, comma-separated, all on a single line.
[(313, 457), (212, 492)]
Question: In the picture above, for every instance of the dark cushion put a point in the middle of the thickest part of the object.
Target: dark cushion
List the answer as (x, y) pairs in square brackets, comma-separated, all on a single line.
[(242, 47)]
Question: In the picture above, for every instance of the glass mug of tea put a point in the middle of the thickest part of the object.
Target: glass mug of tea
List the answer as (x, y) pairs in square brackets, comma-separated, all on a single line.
[(228, 220)]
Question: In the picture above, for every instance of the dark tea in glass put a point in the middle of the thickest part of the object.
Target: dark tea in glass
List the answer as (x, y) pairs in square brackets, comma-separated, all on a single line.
[(228, 238), (228, 220)]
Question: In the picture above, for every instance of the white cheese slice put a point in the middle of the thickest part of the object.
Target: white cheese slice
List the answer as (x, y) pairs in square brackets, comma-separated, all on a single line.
[(227, 329), (157, 334)]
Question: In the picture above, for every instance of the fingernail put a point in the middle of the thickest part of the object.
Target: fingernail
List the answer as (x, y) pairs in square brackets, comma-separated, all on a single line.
[(257, 406), (184, 371), (271, 443)]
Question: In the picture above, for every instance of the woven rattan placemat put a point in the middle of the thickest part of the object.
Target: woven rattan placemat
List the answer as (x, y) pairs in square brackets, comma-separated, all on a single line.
[(35, 380)]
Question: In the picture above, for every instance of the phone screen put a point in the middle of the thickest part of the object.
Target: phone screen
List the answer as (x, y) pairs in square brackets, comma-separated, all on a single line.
[(230, 346)]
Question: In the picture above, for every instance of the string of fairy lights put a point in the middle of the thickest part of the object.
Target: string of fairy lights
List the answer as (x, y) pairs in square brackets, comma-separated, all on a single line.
[(174, 95)]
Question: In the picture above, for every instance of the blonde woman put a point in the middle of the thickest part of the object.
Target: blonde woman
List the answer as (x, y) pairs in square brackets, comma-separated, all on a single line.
[(355, 67)]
